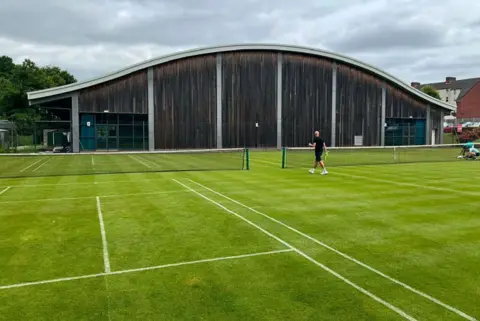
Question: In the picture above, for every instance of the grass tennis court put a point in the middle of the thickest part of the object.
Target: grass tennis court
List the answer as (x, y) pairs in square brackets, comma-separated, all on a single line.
[(382, 242)]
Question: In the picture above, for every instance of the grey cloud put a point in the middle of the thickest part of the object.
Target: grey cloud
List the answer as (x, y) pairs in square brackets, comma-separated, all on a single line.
[(406, 38), (382, 36)]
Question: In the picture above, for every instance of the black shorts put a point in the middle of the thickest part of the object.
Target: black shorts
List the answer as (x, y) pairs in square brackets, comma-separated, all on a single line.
[(318, 156)]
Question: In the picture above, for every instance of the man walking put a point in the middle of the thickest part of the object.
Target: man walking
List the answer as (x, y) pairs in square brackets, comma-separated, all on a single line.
[(320, 147)]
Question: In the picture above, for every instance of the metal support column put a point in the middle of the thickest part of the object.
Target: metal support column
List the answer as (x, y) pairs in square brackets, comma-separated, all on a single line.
[(219, 126), (75, 124), (334, 105), (440, 130), (279, 99), (151, 111), (428, 127), (382, 117)]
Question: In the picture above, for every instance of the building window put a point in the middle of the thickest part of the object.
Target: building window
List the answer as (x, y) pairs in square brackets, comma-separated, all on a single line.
[(446, 99)]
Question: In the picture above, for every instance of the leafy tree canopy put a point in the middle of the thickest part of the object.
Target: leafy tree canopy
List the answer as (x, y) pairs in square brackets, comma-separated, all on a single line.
[(429, 90), (18, 79)]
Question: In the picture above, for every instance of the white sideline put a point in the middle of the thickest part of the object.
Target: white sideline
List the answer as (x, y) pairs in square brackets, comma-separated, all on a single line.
[(106, 259), (156, 267), (357, 287), (32, 165), (139, 161), (42, 165), (89, 197), (6, 189), (346, 256)]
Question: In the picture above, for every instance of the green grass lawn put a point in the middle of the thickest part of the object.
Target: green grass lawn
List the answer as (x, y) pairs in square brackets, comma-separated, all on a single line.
[(372, 242)]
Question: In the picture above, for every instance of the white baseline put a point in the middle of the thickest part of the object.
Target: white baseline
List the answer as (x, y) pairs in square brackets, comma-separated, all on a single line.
[(406, 286), (324, 267), (156, 267)]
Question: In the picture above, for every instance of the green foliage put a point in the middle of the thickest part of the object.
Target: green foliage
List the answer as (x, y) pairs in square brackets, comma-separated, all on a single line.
[(18, 79), (429, 90)]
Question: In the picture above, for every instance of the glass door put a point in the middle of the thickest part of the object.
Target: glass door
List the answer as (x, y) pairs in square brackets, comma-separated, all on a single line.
[(102, 136), (107, 137)]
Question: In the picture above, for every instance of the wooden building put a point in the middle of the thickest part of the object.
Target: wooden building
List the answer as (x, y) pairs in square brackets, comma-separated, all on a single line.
[(246, 96)]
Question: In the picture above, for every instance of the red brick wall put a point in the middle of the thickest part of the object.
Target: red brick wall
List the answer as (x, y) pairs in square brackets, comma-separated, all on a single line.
[(469, 106)]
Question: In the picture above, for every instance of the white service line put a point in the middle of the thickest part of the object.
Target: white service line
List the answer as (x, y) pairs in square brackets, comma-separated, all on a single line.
[(380, 180), (6, 189), (156, 267), (49, 159), (138, 160), (106, 259), (324, 267), (346, 256), (32, 165), (89, 197)]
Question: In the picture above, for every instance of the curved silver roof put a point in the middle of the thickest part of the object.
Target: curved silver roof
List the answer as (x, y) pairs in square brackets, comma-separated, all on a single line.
[(34, 95)]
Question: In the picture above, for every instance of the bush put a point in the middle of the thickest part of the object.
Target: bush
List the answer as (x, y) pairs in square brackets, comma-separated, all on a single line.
[(469, 135)]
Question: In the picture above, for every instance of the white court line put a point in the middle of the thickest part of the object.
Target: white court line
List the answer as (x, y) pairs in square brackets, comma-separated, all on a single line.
[(324, 267), (89, 197), (6, 189), (148, 161), (138, 160), (49, 159), (106, 259), (156, 267), (346, 256), (93, 162), (32, 164), (406, 184)]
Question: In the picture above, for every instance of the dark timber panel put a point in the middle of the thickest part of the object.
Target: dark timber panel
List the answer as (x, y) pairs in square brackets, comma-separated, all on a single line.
[(359, 107), (402, 105), (185, 103), (124, 95), (306, 99), (249, 96)]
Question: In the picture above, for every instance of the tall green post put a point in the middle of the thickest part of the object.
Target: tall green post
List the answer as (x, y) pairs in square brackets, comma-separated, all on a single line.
[(284, 157), (247, 159)]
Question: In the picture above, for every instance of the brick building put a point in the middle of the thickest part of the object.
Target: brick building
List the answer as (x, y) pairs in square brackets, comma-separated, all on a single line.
[(464, 94)]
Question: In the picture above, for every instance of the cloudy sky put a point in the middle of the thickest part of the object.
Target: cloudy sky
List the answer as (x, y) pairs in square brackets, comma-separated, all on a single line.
[(423, 40)]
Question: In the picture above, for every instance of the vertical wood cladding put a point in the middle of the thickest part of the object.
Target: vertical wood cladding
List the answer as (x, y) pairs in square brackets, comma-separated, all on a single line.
[(185, 103), (403, 105), (306, 99), (359, 107), (249, 96), (125, 95)]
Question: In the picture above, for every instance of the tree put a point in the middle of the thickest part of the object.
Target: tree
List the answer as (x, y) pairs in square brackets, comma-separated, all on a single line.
[(429, 90), (18, 79)]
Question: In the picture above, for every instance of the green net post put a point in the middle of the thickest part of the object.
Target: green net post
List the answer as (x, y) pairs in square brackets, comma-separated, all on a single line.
[(284, 157), (247, 159)]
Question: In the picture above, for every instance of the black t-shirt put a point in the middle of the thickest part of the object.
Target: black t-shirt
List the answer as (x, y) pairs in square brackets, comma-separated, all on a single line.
[(318, 144)]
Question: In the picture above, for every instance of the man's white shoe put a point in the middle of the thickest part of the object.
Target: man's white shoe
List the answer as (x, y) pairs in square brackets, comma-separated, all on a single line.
[(311, 171), (324, 172)]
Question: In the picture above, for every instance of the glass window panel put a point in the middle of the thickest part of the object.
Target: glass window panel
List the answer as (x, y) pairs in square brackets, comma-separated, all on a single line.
[(125, 131), (125, 119), (112, 118)]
